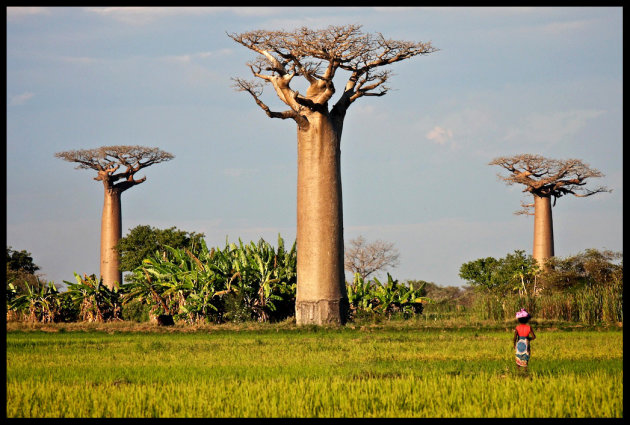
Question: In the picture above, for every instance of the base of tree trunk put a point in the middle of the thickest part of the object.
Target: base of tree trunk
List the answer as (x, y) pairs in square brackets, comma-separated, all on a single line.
[(322, 312)]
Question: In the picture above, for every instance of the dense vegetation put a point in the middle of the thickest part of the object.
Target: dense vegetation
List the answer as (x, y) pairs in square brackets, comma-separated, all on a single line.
[(587, 287), (241, 282), (256, 281), (21, 270), (142, 241)]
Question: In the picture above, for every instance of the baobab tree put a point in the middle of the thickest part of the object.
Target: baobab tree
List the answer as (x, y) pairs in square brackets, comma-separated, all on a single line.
[(545, 179), (106, 161), (317, 56)]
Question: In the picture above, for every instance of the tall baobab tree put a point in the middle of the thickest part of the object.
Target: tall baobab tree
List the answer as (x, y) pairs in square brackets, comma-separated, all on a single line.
[(545, 179), (317, 56), (106, 161)]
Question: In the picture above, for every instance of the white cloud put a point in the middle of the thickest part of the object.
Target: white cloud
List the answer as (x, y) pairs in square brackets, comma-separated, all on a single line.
[(440, 135), (21, 99), (366, 108), (470, 127), (551, 128), (188, 57), (81, 60), (145, 15), (253, 11), (20, 12), (558, 28), (386, 9)]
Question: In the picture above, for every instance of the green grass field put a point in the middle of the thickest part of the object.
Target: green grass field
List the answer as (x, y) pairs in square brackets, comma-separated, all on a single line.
[(284, 371)]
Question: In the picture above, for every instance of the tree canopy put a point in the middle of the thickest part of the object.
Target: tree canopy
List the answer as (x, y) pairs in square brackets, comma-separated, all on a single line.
[(317, 55), (106, 160), (518, 272), (21, 272), (546, 177), (590, 268), (143, 241), (515, 273), (21, 261), (368, 258)]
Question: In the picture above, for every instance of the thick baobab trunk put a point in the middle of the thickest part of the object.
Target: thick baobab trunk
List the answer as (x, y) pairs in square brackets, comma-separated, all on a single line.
[(321, 290), (111, 232), (543, 229)]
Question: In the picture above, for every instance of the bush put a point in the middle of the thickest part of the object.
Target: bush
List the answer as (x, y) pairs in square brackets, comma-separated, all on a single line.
[(236, 309), (240, 282), (373, 298), (135, 311)]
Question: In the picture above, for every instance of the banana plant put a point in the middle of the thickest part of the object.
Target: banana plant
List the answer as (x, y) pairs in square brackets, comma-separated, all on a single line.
[(360, 295), (384, 298), (386, 295), (43, 305), (394, 296), (148, 285), (12, 292), (264, 262), (96, 302), (179, 283), (407, 300), (193, 287)]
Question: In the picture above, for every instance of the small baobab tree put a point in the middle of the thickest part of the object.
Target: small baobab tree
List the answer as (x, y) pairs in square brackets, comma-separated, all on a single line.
[(318, 56), (106, 161), (546, 178)]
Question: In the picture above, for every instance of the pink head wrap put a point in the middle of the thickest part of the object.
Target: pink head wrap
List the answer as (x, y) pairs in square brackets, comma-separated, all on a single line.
[(522, 313)]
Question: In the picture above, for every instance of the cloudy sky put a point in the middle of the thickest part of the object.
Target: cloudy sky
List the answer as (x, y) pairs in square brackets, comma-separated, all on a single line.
[(415, 170)]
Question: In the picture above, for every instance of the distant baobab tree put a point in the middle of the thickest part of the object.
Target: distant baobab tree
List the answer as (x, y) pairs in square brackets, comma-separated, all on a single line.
[(106, 161), (545, 179), (317, 56)]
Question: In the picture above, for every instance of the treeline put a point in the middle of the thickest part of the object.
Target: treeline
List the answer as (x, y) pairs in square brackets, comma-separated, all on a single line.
[(195, 284), (586, 287), (174, 273)]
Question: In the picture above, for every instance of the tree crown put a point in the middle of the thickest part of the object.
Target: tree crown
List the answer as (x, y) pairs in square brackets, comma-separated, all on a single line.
[(143, 241), (21, 260), (547, 177), (368, 258), (514, 272), (106, 160), (317, 55)]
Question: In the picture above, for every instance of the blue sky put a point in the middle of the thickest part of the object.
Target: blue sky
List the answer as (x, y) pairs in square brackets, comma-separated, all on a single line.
[(505, 81)]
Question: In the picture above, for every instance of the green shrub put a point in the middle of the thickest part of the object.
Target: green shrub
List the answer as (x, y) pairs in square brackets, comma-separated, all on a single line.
[(95, 301), (135, 311), (387, 299), (237, 283)]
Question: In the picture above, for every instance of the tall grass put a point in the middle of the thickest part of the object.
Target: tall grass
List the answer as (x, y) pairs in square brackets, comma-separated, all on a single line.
[(409, 371), (589, 305)]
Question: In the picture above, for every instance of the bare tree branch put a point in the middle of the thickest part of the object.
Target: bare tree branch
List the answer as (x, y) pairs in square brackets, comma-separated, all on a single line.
[(317, 55), (548, 177), (368, 258), (255, 90), (106, 160)]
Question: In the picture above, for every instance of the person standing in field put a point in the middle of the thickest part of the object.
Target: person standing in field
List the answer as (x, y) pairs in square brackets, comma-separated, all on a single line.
[(523, 334)]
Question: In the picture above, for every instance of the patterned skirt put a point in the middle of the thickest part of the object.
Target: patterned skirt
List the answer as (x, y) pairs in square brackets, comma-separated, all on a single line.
[(522, 351)]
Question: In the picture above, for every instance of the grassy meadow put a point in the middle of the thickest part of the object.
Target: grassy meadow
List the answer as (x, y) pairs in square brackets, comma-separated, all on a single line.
[(407, 369)]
